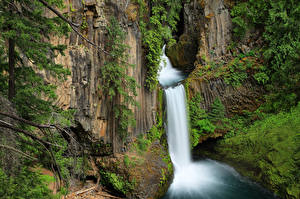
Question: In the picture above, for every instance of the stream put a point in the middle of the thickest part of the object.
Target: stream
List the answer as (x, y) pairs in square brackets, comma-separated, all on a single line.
[(205, 179)]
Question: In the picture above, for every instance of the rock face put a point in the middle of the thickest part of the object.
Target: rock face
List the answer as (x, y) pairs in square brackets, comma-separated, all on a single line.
[(94, 111), (82, 89), (183, 53), (235, 99), (209, 22)]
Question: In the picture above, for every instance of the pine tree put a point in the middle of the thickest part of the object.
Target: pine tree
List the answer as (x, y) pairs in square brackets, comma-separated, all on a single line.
[(217, 112), (25, 48)]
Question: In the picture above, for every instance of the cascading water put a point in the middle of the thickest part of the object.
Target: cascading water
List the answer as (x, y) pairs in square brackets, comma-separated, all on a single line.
[(205, 179), (177, 124)]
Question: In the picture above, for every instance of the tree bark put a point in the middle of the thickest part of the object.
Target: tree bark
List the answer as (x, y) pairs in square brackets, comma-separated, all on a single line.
[(11, 71)]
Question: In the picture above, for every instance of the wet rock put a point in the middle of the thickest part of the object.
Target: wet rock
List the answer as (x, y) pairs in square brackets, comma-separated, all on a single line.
[(183, 53)]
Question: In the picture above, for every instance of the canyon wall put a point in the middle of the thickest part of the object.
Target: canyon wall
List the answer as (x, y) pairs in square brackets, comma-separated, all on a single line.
[(208, 23), (82, 90)]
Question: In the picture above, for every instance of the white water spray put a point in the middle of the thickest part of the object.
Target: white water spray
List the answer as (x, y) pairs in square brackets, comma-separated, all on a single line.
[(168, 76)]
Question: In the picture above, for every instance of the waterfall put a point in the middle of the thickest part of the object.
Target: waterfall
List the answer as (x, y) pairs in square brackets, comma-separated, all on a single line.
[(177, 131), (205, 179), (178, 139), (177, 127)]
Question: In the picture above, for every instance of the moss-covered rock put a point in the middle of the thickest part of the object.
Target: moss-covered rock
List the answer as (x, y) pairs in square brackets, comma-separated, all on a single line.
[(268, 153), (137, 174), (183, 53)]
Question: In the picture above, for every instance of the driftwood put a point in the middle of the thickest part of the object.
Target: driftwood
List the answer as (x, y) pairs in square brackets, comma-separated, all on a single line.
[(88, 190), (85, 190)]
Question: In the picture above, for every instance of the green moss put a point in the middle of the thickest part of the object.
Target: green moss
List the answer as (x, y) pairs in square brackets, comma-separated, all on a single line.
[(268, 152), (118, 183)]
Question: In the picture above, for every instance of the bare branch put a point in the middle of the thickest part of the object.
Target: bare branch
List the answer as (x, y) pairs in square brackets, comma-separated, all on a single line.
[(66, 132), (58, 13), (26, 121), (73, 26), (10, 126), (40, 126), (18, 151), (90, 42)]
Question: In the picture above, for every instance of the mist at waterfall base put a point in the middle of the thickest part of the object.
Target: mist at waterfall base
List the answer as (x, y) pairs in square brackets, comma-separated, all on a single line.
[(206, 179)]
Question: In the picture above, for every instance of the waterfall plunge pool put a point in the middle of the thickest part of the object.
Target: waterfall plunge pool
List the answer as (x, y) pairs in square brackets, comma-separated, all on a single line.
[(206, 179), (209, 179)]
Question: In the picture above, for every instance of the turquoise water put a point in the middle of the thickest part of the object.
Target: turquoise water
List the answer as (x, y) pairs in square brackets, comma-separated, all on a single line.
[(214, 180)]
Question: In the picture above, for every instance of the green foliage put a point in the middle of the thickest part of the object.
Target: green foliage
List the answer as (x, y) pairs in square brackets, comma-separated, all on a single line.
[(143, 142), (268, 151), (236, 71), (278, 20), (25, 22), (217, 112), (156, 30), (155, 132), (26, 185), (116, 83), (164, 177), (200, 124), (261, 77), (196, 113), (31, 32), (201, 127), (67, 164), (126, 161), (117, 182)]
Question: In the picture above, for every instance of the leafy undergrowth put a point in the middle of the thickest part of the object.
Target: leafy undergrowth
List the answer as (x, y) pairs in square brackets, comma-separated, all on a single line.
[(269, 152), (27, 184)]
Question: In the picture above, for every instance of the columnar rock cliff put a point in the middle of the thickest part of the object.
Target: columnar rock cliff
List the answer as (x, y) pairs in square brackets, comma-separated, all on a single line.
[(208, 24), (209, 21), (82, 89)]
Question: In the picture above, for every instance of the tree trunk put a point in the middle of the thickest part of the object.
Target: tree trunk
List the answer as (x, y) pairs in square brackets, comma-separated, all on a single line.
[(11, 71)]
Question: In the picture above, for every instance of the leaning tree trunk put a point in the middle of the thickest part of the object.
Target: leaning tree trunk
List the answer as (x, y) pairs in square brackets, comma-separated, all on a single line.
[(11, 64)]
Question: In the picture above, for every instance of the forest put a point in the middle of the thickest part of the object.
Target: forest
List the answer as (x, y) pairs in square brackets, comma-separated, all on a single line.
[(83, 113)]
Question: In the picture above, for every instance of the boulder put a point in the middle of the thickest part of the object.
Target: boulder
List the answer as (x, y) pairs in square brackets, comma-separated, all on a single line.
[(183, 53)]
